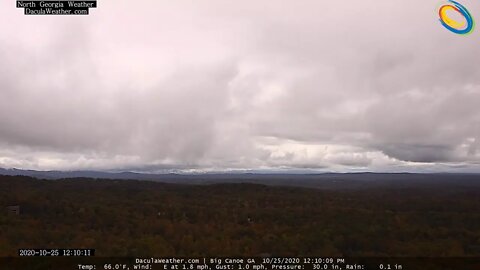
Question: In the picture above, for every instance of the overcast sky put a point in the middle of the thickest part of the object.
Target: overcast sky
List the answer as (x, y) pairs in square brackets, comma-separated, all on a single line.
[(216, 85)]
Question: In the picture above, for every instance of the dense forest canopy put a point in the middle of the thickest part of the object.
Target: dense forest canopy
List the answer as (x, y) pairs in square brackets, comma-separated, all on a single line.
[(140, 218)]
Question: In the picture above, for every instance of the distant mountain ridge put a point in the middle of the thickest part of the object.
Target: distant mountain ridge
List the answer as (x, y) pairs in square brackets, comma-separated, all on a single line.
[(76, 174), (323, 180)]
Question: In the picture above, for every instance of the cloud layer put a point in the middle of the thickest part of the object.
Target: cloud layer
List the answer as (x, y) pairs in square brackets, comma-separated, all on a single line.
[(223, 85)]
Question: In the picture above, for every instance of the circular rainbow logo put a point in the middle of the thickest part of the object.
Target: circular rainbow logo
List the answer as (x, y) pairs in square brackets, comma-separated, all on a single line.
[(461, 28)]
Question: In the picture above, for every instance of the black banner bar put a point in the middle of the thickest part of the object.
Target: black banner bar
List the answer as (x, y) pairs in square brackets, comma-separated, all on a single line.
[(239, 263)]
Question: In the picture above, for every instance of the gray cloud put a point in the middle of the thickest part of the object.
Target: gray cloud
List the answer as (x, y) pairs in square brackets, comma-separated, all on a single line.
[(244, 85)]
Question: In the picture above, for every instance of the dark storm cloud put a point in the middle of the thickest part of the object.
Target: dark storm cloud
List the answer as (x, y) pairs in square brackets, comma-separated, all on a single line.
[(240, 85), (419, 153)]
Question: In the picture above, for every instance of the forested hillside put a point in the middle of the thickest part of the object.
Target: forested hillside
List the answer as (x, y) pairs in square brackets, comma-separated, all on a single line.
[(121, 218)]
